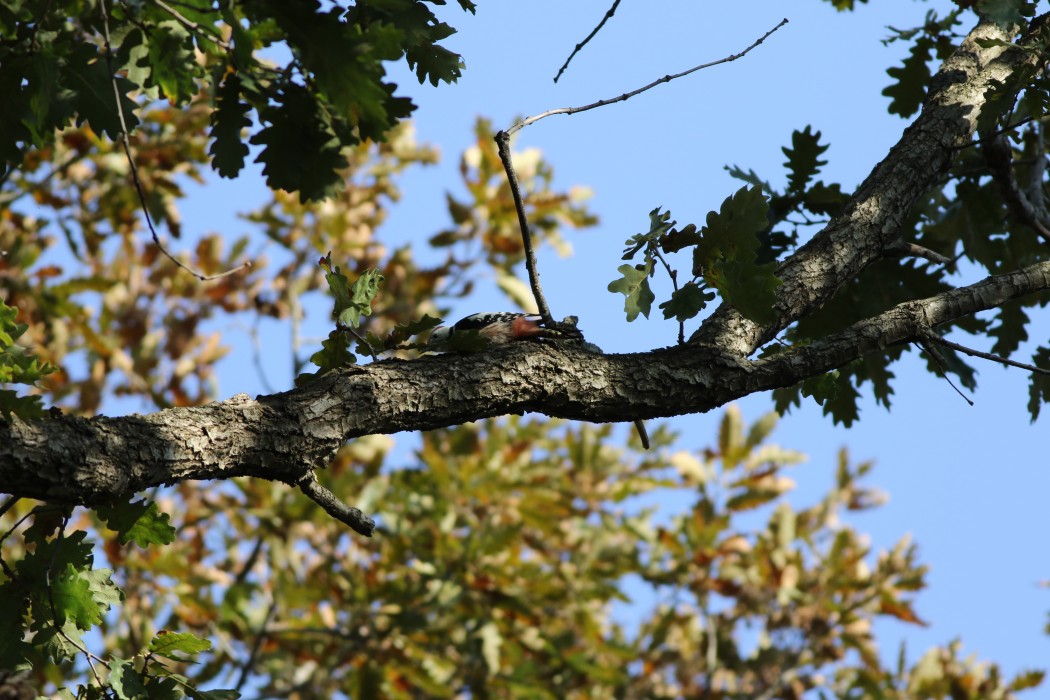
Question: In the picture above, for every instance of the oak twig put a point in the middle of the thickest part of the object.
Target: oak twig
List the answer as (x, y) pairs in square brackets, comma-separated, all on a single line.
[(608, 14), (941, 365), (628, 95), (503, 144), (935, 338), (905, 249), (358, 521)]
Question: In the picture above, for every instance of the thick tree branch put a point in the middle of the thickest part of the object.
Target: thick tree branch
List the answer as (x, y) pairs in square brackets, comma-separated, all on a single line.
[(872, 219), (283, 436)]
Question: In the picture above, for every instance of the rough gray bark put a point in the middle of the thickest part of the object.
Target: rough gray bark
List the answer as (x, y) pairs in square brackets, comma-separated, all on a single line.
[(285, 436)]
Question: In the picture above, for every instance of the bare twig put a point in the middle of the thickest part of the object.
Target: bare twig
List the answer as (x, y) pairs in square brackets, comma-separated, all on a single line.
[(362, 343), (904, 249), (331, 504), (673, 274), (932, 352), (628, 95), (503, 144), (125, 141), (935, 338), (610, 13)]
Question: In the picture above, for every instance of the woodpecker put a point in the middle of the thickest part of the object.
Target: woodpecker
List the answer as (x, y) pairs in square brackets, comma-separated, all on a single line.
[(498, 327), (501, 327)]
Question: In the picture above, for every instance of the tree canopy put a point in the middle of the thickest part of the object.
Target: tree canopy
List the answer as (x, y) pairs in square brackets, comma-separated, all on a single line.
[(505, 542)]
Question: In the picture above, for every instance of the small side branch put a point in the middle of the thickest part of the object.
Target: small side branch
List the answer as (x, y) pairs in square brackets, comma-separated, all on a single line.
[(998, 156), (905, 249), (503, 145), (942, 366), (579, 46), (628, 95), (934, 338), (358, 521)]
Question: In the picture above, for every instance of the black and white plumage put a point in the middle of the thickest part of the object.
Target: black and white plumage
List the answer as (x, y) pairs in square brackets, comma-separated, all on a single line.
[(498, 327)]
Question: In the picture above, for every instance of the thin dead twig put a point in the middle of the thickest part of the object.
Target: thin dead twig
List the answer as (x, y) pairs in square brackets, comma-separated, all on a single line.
[(579, 46), (126, 142), (628, 95)]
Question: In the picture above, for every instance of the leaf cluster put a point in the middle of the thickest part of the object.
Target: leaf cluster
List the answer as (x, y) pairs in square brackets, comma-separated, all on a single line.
[(725, 252), (18, 366), (54, 596), (64, 61)]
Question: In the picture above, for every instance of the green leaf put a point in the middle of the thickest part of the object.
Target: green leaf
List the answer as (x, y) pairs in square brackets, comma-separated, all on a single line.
[(72, 597), (173, 645), (1006, 13), (301, 151), (91, 83), (104, 592), (334, 352), (13, 650), (677, 239), (173, 66), (749, 287), (125, 681), (25, 407), (140, 522), (825, 200), (351, 301), (803, 158), (634, 285), (362, 293), (687, 302), (50, 105), (909, 89), (218, 694), (10, 329), (1039, 384), (404, 331), (659, 225), (836, 394), (1011, 330), (726, 255), (228, 121)]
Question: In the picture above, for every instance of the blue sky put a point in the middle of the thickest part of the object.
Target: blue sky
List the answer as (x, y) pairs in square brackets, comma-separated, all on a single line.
[(968, 483)]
